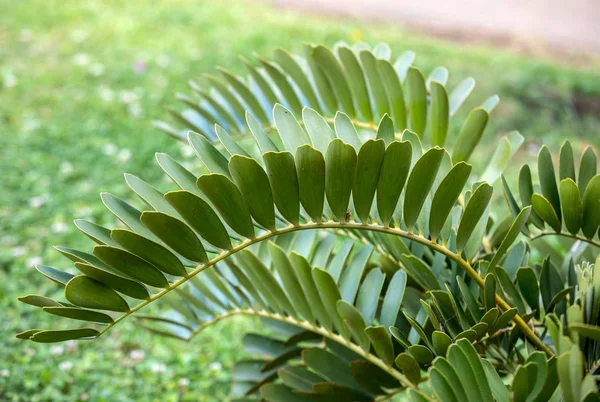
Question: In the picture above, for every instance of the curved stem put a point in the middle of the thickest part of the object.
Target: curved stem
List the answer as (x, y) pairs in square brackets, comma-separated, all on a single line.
[(522, 325), (316, 329), (569, 235)]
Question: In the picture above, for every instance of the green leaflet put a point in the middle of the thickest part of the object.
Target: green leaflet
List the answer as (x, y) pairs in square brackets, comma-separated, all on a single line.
[(368, 165), (382, 343), (246, 94), (392, 177), (228, 201), (385, 130), (409, 367), (329, 294), (470, 134), (253, 183), (317, 128), (131, 265), (393, 299), (262, 138), (63, 335), (210, 156), (305, 276), (201, 217), (566, 164), (420, 272), (339, 177), (367, 300), (416, 98), (150, 251), (528, 284), (283, 84), (548, 180), (376, 84), (515, 229), (177, 173), (526, 192), (439, 114), (54, 274), (290, 281), (473, 212), (87, 292), (355, 323), (591, 207), (149, 194), (571, 205), (356, 80), (336, 77), (587, 169), (310, 167), (39, 301), (175, 234), (345, 130), (292, 135), (231, 146), (115, 281), (97, 233), (290, 66), (419, 184), (545, 210), (79, 314), (446, 195), (394, 92), (282, 175), (326, 93)]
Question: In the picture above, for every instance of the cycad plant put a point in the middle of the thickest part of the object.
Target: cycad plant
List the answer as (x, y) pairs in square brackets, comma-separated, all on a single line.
[(335, 201)]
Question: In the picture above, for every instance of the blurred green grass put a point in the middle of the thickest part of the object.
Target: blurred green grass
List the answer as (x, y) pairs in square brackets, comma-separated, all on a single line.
[(80, 83)]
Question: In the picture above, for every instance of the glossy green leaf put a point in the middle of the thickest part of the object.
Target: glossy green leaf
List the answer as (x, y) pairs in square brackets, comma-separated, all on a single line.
[(566, 163), (409, 367), (515, 229), (416, 99), (210, 156), (544, 209), (528, 284), (87, 292), (329, 366), (446, 195), (548, 180), (356, 80), (439, 114), (292, 135), (284, 86), (382, 343), (571, 204), (291, 66), (150, 251), (310, 167), (253, 183), (318, 129), (339, 176), (228, 201), (367, 300), (368, 165), (441, 342), (392, 177), (97, 233), (131, 265), (376, 84), (245, 93), (587, 169), (201, 217), (63, 335), (345, 130), (336, 77), (394, 92), (591, 207), (420, 272), (54, 274), (282, 175), (354, 322), (329, 294), (385, 130), (324, 89), (393, 299), (419, 184), (470, 134), (175, 234), (526, 192), (79, 314), (39, 301), (229, 143), (177, 173), (114, 280)]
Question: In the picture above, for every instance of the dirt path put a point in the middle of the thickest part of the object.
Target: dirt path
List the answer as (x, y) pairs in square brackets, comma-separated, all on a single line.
[(566, 26)]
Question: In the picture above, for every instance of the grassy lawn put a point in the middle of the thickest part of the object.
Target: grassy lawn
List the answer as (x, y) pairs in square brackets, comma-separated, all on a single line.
[(80, 83)]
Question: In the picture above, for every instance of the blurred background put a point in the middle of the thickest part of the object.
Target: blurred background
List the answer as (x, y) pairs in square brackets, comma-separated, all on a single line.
[(81, 82)]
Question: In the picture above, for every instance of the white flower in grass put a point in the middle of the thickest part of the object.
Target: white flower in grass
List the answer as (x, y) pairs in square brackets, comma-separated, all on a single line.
[(127, 96), (37, 201), (57, 350), (184, 382), (135, 110), (124, 155), (107, 94), (96, 69), (137, 355), (66, 168), (33, 261), (158, 368), (110, 149), (4, 373), (81, 59), (18, 251), (59, 227), (215, 366), (65, 366)]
